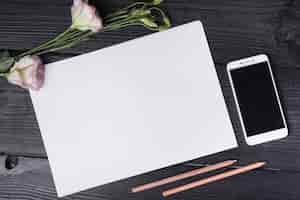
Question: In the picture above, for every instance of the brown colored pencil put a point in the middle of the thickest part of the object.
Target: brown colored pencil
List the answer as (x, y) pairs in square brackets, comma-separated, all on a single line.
[(213, 178), (188, 174)]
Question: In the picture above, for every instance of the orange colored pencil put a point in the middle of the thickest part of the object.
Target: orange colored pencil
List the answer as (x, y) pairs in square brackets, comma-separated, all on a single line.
[(188, 174), (213, 178)]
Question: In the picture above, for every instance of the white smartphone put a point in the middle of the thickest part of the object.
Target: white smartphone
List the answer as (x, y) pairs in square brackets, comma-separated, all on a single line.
[(257, 99)]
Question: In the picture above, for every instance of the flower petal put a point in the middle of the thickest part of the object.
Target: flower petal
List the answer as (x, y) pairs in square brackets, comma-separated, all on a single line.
[(85, 17), (28, 72), (15, 78)]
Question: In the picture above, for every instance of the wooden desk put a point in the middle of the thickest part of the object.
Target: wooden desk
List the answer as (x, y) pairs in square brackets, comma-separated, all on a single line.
[(235, 29)]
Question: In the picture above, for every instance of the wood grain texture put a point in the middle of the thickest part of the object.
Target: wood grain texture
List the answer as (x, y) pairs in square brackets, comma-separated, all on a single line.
[(32, 180), (234, 29)]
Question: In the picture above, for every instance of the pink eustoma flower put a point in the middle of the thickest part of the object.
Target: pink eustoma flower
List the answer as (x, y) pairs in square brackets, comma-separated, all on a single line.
[(85, 17), (28, 73)]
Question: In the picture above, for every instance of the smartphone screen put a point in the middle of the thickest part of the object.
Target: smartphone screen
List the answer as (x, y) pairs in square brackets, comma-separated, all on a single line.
[(257, 99)]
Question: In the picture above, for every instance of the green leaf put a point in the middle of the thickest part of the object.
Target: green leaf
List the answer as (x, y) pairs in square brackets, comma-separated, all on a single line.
[(167, 24), (149, 22), (4, 55), (163, 21), (6, 61), (139, 12), (156, 2)]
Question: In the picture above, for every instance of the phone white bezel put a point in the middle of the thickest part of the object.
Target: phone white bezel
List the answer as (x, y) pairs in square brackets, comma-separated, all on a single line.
[(266, 136)]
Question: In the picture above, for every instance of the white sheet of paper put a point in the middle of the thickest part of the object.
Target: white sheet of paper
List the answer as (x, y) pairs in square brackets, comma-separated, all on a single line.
[(132, 108)]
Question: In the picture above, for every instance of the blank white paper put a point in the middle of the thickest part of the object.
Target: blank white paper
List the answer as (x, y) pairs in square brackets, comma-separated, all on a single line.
[(138, 106)]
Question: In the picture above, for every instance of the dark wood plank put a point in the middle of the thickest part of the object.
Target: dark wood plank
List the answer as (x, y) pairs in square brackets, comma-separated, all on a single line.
[(287, 35), (31, 180), (23, 165), (229, 37), (281, 154), (235, 29), (19, 132)]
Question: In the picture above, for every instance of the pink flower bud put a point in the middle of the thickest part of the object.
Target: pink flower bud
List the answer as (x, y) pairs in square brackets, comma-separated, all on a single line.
[(28, 73), (85, 17)]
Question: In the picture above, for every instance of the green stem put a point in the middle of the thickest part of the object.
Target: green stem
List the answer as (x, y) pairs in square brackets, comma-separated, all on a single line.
[(70, 33), (119, 26), (134, 20), (59, 37), (166, 21), (45, 44), (116, 18), (114, 27), (135, 4), (125, 9), (63, 38), (120, 19), (62, 41), (120, 12), (74, 36), (67, 45), (127, 20)]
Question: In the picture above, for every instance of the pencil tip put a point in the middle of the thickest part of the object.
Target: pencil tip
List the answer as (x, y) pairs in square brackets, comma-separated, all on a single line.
[(262, 163), (133, 190)]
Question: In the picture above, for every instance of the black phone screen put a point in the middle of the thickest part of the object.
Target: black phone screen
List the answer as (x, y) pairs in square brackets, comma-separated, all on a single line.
[(257, 98)]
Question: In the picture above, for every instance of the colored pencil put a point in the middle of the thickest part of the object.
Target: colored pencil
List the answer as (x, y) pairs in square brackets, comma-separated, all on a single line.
[(213, 178), (184, 175)]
